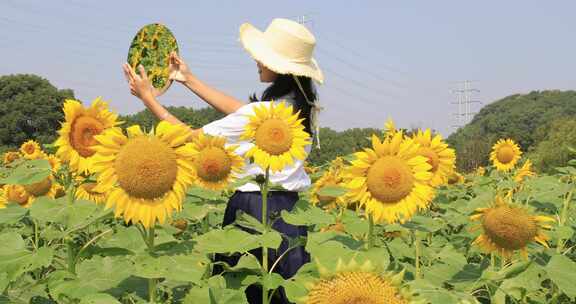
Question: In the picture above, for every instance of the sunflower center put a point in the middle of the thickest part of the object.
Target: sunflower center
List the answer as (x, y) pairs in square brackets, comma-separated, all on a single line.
[(40, 188), (213, 164), (10, 157), (355, 288), (433, 159), (14, 195), (509, 228), (274, 136), (146, 168), (89, 187), (505, 154), (82, 134), (390, 179), (29, 149)]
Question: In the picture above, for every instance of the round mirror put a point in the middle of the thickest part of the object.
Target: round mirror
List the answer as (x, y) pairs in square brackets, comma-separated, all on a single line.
[(151, 47)]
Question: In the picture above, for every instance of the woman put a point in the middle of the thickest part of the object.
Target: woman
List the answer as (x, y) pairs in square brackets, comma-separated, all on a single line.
[(284, 58)]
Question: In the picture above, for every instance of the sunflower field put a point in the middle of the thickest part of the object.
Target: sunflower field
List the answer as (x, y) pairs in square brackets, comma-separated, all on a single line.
[(110, 213)]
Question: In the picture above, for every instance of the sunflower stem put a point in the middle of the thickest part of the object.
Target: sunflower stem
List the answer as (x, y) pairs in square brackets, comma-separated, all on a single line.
[(370, 232), (149, 240), (71, 257), (563, 215), (493, 261), (264, 191), (418, 253)]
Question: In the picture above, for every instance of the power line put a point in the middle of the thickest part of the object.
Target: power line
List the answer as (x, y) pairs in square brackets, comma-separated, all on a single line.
[(362, 70)]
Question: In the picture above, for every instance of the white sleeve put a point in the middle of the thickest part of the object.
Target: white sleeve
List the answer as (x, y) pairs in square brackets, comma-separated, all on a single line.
[(231, 126)]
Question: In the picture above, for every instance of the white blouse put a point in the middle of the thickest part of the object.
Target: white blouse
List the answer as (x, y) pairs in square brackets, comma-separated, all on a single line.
[(292, 178)]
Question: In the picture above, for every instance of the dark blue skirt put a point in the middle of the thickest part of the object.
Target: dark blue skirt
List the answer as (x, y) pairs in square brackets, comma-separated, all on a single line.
[(251, 203)]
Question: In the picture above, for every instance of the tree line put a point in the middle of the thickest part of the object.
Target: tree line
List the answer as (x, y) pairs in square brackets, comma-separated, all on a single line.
[(542, 122)]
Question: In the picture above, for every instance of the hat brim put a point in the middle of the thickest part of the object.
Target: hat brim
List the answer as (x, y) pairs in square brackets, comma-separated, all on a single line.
[(252, 39)]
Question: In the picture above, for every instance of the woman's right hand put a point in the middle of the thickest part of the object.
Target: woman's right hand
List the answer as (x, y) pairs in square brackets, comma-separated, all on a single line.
[(178, 68)]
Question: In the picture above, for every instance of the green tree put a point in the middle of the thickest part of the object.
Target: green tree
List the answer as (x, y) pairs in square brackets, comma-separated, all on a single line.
[(519, 117), (193, 118), (334, 143), (553, 150), (30, 108)]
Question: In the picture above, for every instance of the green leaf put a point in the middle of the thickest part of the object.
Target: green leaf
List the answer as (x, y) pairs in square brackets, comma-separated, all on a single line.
[(425, 223), (204, 193), (12, 214), (3, 281), (95, 275), (304, 213), (235, 240), (74, 216), (99, 298), (564, 232), (20, 261), (272, 280), (328, 247), (332, 191), (125, 238), (562, 271), (246, 263), (450, 262), (11, 242), (28, 172), (434, 294), (527, 282), (196, 209), (215, 295), (184, 268), (245, 220)]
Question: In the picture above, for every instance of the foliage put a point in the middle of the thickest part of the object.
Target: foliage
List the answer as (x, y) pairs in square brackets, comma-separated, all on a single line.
[(553, 151), (73, 251), (518, 117), (193, 118), (30, 108), (334, 144)]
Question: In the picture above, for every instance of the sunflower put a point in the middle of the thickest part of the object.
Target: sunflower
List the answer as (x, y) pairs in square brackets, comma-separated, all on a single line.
[(507, 228), (2, 199), (144, 175), (11, 156), (331, 178), (440, 157), (309, 169), (455, 178), (480, 171), (524, 172), (54, 161), (31, 150), (14, 194), (76, 141), (392, 180), (357, 283), (25, 195), (389, 127), (278, 135), (505, 154), (215, 165), (85, 191)]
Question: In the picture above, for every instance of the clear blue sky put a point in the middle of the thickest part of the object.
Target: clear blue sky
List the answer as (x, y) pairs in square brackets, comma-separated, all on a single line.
[(381, 59)]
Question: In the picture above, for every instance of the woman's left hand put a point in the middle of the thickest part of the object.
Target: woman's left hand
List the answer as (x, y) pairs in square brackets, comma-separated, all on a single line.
[(140, 85)]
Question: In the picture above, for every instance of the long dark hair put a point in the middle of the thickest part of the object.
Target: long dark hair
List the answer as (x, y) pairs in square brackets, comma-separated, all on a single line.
[(285, 84)]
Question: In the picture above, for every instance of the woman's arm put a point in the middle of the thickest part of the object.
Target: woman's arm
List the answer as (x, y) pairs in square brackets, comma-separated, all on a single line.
[(140, 87), (180, 72)]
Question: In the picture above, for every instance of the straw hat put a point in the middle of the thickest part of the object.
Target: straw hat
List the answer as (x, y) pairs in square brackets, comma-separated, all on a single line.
[(285, 47)]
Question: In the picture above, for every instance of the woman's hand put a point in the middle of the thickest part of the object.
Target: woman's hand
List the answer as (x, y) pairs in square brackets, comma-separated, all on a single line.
[(178, 68), (140, 85)]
